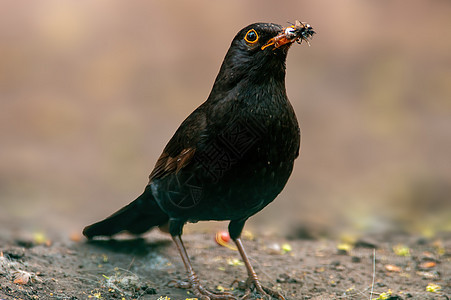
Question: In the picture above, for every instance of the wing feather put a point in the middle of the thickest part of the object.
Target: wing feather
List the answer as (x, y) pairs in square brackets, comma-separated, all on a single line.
[(180, 150)]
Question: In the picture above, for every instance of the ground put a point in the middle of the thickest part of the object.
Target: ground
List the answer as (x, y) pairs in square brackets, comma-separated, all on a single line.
[(406, 266)]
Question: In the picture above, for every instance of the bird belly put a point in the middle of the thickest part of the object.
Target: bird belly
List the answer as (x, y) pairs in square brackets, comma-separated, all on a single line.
[(243, 190)]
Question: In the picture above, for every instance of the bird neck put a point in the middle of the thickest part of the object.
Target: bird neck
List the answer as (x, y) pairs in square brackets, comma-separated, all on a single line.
[(270, 72)]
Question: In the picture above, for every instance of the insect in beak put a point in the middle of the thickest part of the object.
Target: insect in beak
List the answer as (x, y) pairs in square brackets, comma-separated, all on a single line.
[(295, 33)]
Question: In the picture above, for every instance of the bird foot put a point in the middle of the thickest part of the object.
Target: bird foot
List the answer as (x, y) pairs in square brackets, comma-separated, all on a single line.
[(254, 284), (199, 291)]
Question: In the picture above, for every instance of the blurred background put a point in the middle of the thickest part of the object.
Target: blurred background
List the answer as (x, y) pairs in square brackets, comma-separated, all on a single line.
[(91, 91)]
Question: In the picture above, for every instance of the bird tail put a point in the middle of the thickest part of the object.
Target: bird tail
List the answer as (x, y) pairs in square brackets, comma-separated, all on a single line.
[(137, 217)]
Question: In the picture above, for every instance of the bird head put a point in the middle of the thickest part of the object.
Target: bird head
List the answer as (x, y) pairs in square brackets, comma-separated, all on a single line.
[(258, 52), (272, 36)]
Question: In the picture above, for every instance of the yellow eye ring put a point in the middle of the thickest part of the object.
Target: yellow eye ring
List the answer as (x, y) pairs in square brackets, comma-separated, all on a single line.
[(251, 36)]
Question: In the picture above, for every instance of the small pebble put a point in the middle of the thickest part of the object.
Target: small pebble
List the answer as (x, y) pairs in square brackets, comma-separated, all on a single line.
[(361, 243), (335, 263), (342, 252), (356, 259)]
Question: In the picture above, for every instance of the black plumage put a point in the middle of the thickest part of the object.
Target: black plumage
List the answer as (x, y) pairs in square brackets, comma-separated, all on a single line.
[(232, 156)]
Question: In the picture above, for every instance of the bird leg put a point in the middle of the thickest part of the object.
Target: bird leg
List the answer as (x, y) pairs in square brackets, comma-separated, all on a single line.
[(252, 280), (194, 284)]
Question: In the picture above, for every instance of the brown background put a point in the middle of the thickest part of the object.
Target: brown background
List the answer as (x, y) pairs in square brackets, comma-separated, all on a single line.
[(91, 91)]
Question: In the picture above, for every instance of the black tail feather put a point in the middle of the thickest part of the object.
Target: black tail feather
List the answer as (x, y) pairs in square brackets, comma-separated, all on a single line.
[(137, 217)]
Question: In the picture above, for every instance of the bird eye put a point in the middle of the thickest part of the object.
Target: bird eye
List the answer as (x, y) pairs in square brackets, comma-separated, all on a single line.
[(251, 36)]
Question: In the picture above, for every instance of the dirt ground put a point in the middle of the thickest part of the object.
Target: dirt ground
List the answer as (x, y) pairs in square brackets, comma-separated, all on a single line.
[(91, 91), (406, 267)]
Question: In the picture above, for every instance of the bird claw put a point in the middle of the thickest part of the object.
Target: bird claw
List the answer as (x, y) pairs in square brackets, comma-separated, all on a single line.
[(199, 291), (254, 284)]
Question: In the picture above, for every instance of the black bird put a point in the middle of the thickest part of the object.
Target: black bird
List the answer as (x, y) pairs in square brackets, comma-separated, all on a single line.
[(231, 157)]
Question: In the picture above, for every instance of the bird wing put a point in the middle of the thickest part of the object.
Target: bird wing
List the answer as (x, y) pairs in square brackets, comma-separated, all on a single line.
[(181, 148)]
